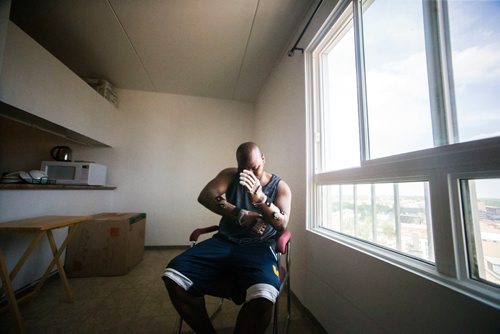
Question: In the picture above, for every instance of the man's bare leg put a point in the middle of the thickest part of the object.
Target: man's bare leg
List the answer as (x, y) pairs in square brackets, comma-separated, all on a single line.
[(254, 316), (192, 309)]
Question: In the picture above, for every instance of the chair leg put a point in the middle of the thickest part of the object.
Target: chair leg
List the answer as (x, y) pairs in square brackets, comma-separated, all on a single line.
[(288, 304), (219, 308), (178, 328), (276, 315)]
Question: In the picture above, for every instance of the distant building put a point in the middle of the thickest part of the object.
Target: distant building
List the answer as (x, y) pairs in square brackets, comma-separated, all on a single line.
[(493, 213), (411, 219)]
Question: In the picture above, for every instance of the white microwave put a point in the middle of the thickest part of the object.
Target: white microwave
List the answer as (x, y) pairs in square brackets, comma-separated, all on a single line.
[(65, 172)]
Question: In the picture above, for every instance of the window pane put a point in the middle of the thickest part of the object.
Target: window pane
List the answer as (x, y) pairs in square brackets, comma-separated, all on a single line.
[(475, 44), (364, 212), (385, 225), (399, 117), (394, 216), (414, 219), (329, 199), (482, 216), (340, 134), (347, 209)]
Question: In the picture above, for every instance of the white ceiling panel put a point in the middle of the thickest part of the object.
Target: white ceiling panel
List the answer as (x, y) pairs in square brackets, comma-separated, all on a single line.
[(86, 36), (188, 47), (214, 48), (274, 25)]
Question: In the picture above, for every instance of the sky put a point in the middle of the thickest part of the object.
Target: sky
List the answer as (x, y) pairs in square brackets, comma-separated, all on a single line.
[(475, 43), (397, 84), (396, 67)]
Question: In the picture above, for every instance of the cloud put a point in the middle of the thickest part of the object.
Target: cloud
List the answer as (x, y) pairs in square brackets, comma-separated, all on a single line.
[(477, 64)]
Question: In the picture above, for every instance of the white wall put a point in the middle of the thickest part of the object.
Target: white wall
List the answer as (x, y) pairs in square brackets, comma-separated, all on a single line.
[(35, 81), (280, 131), (346, 290), (169, 147)]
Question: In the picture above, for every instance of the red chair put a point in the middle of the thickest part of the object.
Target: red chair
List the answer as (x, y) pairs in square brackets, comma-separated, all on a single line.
[(283, 245)]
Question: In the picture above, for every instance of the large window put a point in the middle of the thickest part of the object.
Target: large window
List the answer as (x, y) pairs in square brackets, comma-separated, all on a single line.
[(392, 215), (396, 78), (404, 136), (481, 198)]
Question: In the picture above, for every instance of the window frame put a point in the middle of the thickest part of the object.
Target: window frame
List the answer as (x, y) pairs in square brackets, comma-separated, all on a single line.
[(442, 166)]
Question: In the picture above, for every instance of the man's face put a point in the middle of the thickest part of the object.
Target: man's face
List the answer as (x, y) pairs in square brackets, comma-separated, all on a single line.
[(255, 163)]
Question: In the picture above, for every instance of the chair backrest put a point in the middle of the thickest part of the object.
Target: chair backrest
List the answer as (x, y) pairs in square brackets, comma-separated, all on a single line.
[(281, 243), (203, 230)]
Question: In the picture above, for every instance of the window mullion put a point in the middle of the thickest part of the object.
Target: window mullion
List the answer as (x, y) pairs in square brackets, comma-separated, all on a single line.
[(355, 209), (364, 140), (374, 213), (428, 219), (340, 209), (397, 216), (444, 124), (323, 68), (447, 66)]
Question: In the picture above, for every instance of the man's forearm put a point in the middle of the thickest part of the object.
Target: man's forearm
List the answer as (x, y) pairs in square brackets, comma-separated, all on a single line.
[(272, 214), (247, 219), (218, 204)]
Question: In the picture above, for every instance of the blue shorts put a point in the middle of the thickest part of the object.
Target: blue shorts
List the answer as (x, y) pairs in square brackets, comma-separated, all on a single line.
[(251, 269)]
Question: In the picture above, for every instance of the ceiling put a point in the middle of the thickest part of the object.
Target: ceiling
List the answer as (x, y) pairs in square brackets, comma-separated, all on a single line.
[(213, 48)]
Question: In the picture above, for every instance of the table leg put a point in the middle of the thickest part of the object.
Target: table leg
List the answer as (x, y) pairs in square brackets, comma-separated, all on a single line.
[(41, 282), (57, 253), (24, 257), (9, 293)]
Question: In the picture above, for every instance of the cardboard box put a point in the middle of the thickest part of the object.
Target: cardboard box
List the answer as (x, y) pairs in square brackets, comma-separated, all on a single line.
[(108, 245)]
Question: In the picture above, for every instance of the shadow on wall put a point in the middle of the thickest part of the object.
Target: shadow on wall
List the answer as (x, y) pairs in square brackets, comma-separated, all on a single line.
[(23, 147)]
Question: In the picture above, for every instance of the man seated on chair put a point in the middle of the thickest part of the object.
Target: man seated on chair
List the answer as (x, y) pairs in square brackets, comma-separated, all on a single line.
[(255, 206)]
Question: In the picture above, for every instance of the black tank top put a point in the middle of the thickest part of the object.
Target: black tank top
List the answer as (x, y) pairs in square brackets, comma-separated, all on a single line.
[(236, 194)]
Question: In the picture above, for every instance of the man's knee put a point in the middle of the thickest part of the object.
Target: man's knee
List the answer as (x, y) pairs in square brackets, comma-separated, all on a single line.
[(261, 304), (169, 284), (172, 275), (262, 291)]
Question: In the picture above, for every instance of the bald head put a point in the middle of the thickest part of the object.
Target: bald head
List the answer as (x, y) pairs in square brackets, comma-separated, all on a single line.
[(246, 152), (249, 155)]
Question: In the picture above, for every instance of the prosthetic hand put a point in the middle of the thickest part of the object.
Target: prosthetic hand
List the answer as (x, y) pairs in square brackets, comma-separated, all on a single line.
[(253, 221), (253, 186)]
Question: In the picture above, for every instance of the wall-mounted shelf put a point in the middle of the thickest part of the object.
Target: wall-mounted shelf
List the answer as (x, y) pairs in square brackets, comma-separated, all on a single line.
[(23, 186)]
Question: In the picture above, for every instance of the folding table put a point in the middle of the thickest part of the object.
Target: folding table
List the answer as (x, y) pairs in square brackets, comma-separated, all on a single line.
[(37, 226)]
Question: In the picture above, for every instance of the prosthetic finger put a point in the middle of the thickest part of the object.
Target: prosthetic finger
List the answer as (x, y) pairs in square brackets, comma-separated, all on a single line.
[(250, 181), (251, 176), (259, 227), (246, 182)]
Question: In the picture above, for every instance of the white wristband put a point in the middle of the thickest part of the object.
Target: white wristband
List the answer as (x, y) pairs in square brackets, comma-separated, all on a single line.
[(256, 204)]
